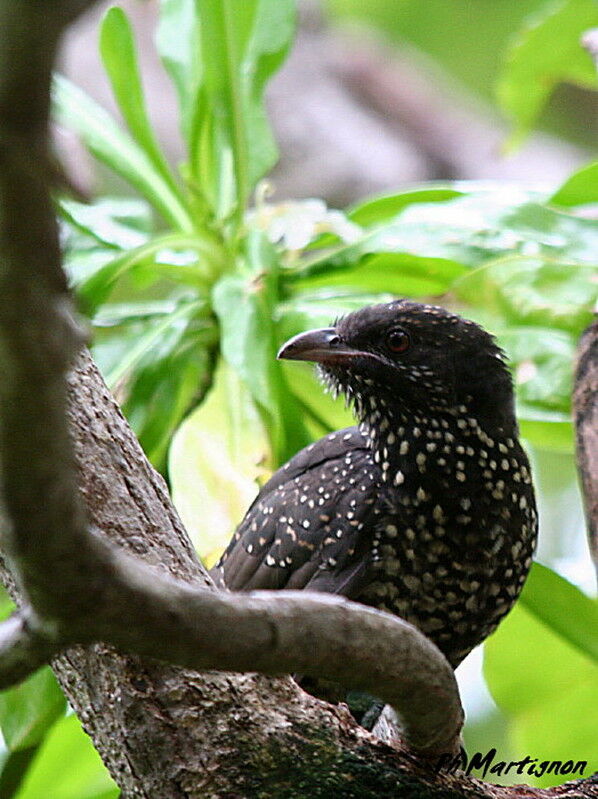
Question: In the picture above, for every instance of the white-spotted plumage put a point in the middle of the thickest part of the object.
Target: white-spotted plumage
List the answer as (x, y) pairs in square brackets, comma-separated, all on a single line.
[(426, 509)]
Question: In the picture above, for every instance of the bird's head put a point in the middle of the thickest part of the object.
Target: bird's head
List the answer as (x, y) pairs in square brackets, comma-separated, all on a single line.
[(411, 358)]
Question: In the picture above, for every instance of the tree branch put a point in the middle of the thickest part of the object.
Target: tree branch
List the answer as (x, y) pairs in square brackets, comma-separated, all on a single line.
[(121, 601), (22, 650), (585, 411)]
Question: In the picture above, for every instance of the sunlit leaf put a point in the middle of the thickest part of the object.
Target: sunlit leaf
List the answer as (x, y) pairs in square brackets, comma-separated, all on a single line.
[(382, 209), (243, 42), (28, 710), (164, 372), (95, 287), (542, 359), (111, 221), (67, 767), (466, 233), (535, 291), (564, 608), (117, 48), (216, 458), (396, 273), (541, 680), (545, 430), (115, 148), (579, 189), (245, 305), (178, 43)]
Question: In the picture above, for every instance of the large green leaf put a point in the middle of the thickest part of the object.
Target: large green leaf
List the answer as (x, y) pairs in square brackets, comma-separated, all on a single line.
[(398, 273), (546, 52), (579, 189), (111, 145), (382, 209), (541, 669), (179, 46), (547, 431), (542, 359), (117, 48), (467, 232), (157, 341), (159, 255), (569, 612), (112, 222), (216, 458), (534, 290), (67, 767), (247, 341), (243, 42), (28, 710)]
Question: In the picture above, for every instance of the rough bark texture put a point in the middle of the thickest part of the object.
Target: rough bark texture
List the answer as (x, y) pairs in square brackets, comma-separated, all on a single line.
[(585, 408)]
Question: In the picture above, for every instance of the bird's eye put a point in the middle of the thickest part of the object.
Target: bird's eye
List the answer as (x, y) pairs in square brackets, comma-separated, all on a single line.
[(398, 340)]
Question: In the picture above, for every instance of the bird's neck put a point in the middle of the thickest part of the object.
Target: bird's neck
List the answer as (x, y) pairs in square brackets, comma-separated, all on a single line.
[(419, 447)]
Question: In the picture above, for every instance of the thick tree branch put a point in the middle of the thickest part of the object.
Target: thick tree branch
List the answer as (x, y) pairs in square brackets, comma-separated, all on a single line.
[(585, 410), (22, 650)]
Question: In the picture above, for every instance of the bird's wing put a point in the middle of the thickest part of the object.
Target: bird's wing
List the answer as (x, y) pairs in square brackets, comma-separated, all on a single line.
[(334, 445), (311, 523)]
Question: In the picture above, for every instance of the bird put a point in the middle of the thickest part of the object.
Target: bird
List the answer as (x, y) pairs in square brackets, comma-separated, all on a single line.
[(425, 508)]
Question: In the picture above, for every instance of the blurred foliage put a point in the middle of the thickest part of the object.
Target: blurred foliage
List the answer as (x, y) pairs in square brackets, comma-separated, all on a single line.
[(545, 53), (548, 685), (517, 50), (190, 296)]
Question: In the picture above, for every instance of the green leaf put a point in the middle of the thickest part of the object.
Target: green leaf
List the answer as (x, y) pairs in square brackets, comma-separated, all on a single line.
[(113, 222), (7, 606), (113, 147), (579, 189), (247, 341), (564, 608), (548, 431), (178, 43), (542, 359), (95, 287), (164, 391), (85, 777), (488, 222), (534, 291), (117, 48), (28, 710), (546, 52), (243, 42), (122, 313), (541, 670), (382, 209), (245, 305), (216, 458), (161, 365), (146, 343), (389, 272)]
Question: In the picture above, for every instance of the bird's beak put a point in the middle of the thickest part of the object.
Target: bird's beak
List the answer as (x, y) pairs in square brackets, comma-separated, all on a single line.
[(321, 346)]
